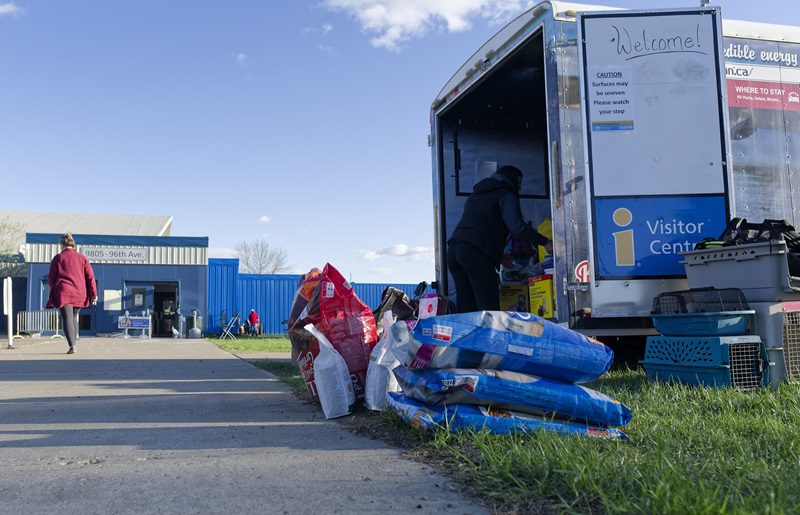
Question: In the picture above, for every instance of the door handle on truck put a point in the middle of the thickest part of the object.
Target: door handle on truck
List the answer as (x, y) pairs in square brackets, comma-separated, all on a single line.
[(555, 166)]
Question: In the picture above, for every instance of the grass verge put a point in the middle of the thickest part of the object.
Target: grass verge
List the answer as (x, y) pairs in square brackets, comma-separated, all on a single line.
[(247, 344), (691, 450)]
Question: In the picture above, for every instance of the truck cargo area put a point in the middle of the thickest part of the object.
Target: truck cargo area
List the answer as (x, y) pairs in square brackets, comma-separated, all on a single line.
[(501, 121)]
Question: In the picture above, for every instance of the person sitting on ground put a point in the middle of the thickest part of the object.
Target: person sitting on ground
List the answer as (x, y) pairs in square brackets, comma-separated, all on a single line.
[(252, 322)]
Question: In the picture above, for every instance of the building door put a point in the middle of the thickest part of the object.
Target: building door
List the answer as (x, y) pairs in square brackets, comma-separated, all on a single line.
[(138, 297), (166, 319)]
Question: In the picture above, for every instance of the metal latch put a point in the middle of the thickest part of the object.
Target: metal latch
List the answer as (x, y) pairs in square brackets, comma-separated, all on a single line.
[(577, 286)]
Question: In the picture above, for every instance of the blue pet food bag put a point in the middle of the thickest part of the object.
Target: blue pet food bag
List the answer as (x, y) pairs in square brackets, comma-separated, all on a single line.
[(496, 421), (519, 342), (513, 391)]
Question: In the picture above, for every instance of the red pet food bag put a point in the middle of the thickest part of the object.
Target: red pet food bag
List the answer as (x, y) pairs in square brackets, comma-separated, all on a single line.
[(336, 311)]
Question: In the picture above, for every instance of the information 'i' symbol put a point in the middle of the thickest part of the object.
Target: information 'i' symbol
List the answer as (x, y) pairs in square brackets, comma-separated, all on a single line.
[(623, 240)]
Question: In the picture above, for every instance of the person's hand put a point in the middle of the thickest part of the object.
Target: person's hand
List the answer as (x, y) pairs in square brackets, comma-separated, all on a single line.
[(94, 301), (549, 247)]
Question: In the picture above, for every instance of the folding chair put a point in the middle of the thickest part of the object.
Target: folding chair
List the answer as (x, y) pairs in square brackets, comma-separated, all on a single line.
[(233, 323)]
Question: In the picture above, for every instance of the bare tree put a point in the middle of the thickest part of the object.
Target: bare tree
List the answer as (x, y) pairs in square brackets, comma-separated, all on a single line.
[(11, 235), (259, 257)]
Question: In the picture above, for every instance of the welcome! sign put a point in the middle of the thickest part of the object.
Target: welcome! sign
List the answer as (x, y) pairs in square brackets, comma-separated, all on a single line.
[(655, 137)]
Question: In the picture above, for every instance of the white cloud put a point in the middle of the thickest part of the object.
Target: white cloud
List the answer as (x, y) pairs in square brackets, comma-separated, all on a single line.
[(10, 9), (324, 30), (264, 219), (320, 33), (368, 255), (221, 252), (396, 21), (382, 271), (241, 60), (327, 49), (399, 251)]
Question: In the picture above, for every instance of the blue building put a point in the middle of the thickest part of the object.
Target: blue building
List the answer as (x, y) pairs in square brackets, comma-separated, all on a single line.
[(165, 275), (169, 277)]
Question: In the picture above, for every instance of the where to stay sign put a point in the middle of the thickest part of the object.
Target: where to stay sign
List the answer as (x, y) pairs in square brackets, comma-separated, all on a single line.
[(654, 136)]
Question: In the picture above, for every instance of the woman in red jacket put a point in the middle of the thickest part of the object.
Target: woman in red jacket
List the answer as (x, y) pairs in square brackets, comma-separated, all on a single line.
[(72, 287)]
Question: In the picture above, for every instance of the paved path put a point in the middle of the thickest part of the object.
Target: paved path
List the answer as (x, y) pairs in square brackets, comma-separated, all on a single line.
[(134, 426)]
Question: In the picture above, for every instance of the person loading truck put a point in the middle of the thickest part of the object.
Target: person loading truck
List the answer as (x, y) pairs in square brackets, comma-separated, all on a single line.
[(475, 248)]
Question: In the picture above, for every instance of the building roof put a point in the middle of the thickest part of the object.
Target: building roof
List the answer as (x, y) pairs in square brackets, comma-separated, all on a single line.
[(117, 240), (90, 223)]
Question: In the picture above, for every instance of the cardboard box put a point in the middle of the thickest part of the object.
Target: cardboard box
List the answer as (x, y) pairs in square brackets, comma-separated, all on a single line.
[(541, 296), (514, 297)]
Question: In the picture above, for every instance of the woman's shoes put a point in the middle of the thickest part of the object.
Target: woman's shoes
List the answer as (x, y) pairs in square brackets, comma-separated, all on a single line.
[(71, 350)]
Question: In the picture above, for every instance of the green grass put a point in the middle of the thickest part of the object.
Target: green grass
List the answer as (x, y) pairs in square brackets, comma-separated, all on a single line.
[(245, 344), (691, 450)]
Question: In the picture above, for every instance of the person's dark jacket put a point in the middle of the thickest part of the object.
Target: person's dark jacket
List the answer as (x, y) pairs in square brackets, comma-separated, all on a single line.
[(492, 212)]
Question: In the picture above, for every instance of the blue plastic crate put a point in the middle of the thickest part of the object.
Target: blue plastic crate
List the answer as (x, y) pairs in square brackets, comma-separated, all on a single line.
[(722, 323), (738, 362)]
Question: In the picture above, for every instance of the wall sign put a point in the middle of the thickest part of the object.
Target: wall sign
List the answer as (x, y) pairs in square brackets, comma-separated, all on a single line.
[(762, 74), (611, 99), (100, 254)]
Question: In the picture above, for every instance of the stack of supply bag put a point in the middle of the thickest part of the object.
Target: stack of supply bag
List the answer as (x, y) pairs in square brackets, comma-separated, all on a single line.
[(506, 372), (328, 320)]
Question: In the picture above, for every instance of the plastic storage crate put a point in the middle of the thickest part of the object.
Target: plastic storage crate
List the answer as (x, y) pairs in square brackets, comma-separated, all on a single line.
[(699, 300), (760, 270), (726, 323), (738, 362)]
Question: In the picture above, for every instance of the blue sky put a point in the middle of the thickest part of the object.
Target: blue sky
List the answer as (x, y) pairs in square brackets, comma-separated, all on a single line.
[(302, 122)]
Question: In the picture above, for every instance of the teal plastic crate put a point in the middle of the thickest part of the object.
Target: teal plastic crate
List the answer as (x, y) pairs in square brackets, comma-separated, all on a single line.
[(738, 362)]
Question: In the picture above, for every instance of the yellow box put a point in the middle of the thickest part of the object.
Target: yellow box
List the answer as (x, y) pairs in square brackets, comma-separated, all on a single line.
[(541, 296), (514, 297)]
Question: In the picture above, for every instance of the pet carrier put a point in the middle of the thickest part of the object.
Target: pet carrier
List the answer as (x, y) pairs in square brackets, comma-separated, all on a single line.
[(791, 344), (699, 300), (725, 323), (738, 362)]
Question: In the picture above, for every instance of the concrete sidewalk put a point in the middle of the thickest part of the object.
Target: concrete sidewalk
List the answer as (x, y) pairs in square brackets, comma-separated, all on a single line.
[(180, 426)]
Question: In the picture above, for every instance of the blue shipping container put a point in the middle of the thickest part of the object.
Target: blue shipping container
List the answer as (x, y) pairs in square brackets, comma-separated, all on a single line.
[(223, 291), (271, 295)]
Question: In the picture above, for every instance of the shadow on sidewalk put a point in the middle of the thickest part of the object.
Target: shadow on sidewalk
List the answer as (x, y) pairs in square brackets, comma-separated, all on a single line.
[(157, 404)]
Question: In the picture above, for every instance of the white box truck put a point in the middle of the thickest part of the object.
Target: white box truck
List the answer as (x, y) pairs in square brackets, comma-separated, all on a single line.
[(639, 133)]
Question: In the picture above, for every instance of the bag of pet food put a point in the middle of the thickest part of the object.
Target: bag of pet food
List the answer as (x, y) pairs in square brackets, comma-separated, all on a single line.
[(307, 284), (338, 313), (380, 379), (519, 342), (496, 421), (332, 379), (513, 391)]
